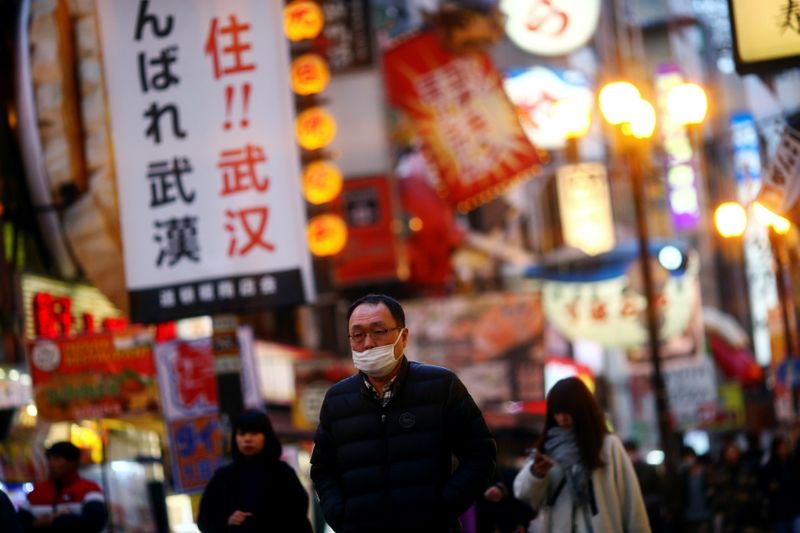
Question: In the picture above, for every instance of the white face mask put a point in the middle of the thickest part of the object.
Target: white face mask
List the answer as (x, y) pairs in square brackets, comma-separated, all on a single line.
[(379, 361)]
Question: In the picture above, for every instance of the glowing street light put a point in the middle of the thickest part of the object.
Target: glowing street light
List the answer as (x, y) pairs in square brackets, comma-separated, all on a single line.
[(687, 104), (730, 219), (615, 101), (768, 218), (642, 121)]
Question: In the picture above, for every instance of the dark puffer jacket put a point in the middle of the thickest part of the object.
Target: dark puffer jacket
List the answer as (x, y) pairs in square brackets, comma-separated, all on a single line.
[(391, 468)]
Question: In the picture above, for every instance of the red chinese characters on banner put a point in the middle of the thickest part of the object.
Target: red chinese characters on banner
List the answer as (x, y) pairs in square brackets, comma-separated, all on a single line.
[(469, 129), (195, 380), (228, 47)]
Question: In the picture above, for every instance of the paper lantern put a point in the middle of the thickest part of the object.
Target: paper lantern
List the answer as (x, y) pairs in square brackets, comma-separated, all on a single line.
[(322, 182), (310, 74), (315, 128), (302, 19), (326, 235)]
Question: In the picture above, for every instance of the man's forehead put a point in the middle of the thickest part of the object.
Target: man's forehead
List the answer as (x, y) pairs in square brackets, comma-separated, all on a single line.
[(369, 314)]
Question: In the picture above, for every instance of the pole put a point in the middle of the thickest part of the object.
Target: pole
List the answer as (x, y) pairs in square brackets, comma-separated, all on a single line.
[(654, 344)]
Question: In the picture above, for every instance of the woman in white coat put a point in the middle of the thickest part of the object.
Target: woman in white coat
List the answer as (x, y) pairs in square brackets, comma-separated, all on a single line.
[(580, 479)]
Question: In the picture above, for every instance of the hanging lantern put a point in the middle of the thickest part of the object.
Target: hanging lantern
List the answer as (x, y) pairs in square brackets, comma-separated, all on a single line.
[(302, 19), (326, 235), (322, 182), (310, 74), (315, 128)]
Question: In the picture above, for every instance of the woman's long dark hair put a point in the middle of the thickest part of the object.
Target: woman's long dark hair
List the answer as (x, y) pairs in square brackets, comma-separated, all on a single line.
[(255, 421), (571, 396)]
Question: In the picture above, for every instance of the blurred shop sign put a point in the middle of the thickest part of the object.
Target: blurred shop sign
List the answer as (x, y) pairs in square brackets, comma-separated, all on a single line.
[(550, 27), (607, 304), (372, 252), (188, 385), (207, 170), (758, 258), (766, 34), (347, 36), (187, 379), (683, 198), (313, 378), (534, 91), (780, 190), (493, 342), (584, 202), (93, 376), (469, 130), (56, 308), (196, 446), (692, 392)]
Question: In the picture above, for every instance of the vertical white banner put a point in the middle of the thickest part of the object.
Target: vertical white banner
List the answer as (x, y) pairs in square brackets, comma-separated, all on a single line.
[(208, 171)]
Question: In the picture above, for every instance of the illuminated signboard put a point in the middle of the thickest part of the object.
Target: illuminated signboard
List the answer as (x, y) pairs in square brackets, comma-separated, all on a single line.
[(757, 252), (766, 34), (535, 91), (584, 202), (682, 196), (550, 27), (56, 308)]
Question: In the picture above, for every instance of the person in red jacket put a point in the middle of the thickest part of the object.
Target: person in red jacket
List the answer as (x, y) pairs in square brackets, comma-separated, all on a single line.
[(65, 502)]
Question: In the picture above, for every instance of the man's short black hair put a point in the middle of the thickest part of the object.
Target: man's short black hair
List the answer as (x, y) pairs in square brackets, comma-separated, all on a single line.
[(65, 450), (374, 299)]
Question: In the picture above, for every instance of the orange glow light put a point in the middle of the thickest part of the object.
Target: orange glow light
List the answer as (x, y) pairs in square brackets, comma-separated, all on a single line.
[(310, 74), (326, 235), (322, 182), (315, 128), (302, 19)]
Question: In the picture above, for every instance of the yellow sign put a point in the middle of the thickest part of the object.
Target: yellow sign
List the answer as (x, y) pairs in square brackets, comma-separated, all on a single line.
[(585, 205), (765, 31), (310, 74), (322, 182), (302, 19), (315, 128), (326, 235)]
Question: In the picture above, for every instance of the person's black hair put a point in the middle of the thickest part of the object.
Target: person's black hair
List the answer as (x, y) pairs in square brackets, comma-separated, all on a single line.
[(375, 299), (571, 396), (66, 450), (254, 421)]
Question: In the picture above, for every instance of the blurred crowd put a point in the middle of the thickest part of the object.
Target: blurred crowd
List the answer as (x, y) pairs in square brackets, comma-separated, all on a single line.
[(748, 483)]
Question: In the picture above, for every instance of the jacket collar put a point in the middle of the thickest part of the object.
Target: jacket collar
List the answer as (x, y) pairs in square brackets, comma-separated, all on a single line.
[(399, 379)]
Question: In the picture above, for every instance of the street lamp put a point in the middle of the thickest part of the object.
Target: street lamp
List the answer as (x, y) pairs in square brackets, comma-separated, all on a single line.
[(622, 105)]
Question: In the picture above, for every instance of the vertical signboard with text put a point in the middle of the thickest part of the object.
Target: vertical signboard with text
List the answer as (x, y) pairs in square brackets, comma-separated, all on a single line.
[(207, 169)]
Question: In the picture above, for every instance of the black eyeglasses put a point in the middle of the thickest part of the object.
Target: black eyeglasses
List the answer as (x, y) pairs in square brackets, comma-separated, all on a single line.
[(377, 334)]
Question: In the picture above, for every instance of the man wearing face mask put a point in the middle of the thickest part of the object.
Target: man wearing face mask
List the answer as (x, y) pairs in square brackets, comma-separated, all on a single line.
[(400, 446)]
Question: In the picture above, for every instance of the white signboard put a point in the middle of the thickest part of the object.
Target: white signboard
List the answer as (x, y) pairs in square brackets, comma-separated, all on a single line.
[(780, 190), (585, 205), (550, 27), (610, 313), (207, 167), (692, 392)]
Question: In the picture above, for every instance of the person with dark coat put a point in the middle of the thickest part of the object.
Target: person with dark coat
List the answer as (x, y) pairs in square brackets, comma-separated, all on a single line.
[(400, 446), (65, 502), (257, 492), (780, 480), (8, 516)]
